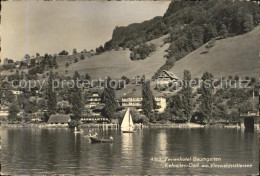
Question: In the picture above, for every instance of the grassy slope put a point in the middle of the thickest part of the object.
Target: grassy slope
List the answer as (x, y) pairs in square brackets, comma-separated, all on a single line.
[(232, 56), (117, 63)]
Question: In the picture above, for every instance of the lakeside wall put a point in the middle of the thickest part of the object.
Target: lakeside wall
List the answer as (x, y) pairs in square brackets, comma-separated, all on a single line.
[(115, 126)]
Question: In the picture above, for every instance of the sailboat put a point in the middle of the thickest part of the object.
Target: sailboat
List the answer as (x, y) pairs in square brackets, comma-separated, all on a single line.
[(127, 125)]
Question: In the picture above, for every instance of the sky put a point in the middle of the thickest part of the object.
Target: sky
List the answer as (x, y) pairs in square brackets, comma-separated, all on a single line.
[(50, 27)]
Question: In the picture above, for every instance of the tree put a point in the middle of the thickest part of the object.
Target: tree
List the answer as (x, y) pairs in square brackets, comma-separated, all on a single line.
[(148, 99), (63, 107), (100, 49), (248, 24), (76, 99), (74, 51), (176, 105), (170, 61), (76, 60), (223, 33), (22, 64), (8, 96), (132, 55), (65, 53), (76, 76), (33, 62), (236, 78), (50, 63), (27, 56), (16, 77), (31, 107), (51, 96), (67, 65), (37, 55), (87, 76), (109, 98), (230, 77), (135, 115), (209, 33), (187, 95), (252, 80), (126, 79), (54, 63), (207, 96), (82, 57), (13, 110)]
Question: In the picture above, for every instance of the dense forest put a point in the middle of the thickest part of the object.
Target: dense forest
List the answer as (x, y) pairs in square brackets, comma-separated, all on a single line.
[(189, 25)]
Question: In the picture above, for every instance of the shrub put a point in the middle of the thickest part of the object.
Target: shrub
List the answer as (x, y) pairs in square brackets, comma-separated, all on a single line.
[(142, 51), (210, 44), (82, 57), (65, 53), (74, 123)]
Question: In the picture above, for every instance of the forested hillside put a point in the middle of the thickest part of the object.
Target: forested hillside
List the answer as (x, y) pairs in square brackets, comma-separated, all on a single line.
[(189, 25)]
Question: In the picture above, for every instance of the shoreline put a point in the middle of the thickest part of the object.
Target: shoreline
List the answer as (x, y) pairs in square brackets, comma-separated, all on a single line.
[(116, 126)]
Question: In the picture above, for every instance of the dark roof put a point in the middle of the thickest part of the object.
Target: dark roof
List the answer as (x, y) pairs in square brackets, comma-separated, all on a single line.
[(136, 93), (95, 93), (3, 107), (92, 95), (170, 74), (59, 118)]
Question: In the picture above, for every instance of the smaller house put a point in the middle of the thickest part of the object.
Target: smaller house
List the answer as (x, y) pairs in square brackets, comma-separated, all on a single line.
[(36, 119), (4, 112), (167, 77), (59, 119), (16, 92)]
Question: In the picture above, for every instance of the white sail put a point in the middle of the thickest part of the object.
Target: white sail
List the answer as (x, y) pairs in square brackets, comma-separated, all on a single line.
[(131, 123), (127, 121)]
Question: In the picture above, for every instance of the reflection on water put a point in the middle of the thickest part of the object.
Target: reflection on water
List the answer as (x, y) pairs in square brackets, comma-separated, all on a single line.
[(59, 151)]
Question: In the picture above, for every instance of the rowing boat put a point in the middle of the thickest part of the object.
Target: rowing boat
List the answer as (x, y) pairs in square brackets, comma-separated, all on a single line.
[(100, 140)]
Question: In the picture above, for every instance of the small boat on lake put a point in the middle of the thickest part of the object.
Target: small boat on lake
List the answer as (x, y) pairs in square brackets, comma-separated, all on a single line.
[(77, 131), (101, 140), (129, 131), (127, 125)]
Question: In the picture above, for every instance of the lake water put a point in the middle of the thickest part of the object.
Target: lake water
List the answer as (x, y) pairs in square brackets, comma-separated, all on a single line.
[(59, 151)]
